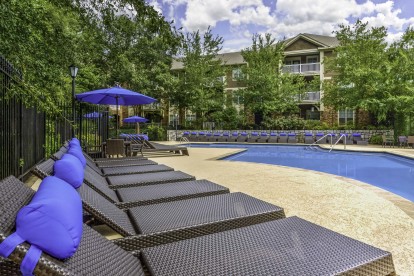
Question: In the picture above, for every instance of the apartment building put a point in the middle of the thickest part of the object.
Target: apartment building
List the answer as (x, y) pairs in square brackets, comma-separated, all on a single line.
[(304, 55)]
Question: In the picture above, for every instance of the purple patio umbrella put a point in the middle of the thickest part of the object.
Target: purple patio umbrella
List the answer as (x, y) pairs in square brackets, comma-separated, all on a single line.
[(135, 119), (114, 96)]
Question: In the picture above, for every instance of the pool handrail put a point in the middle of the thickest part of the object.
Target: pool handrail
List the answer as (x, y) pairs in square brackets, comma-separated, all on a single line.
[(337, 141)]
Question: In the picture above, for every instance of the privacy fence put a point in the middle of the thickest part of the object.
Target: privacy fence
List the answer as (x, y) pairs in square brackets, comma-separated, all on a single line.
[(28, 135)]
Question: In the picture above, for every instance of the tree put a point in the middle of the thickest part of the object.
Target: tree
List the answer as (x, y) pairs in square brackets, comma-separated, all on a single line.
[(268, 91), (361, 71), (200, 87)]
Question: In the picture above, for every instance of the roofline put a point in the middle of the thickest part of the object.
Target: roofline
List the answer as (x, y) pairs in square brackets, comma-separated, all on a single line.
[(306, 38)]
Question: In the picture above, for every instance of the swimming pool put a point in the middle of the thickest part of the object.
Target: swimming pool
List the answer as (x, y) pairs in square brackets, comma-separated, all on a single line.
[(387, 171)]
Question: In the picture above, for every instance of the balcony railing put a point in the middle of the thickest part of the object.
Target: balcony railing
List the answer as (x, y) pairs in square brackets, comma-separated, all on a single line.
[(304, 68), (310, 97)]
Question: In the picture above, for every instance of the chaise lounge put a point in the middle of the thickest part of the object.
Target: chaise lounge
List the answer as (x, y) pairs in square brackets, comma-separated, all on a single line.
[(289, 246)]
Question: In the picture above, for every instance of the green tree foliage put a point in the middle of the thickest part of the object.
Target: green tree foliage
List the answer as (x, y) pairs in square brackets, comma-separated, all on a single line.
[(200, 88), (268, 90), (360, 70), (124, 41), (371, 75)]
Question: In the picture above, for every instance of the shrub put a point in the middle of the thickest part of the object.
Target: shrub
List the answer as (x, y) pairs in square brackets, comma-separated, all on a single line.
[(375, 140)]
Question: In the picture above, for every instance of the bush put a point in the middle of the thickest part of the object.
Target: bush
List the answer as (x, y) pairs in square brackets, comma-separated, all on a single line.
[(375, 140), (156, 133)]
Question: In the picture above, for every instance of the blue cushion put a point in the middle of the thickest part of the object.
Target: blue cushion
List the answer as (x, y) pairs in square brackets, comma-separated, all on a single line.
[(69, 168), (53, 219), (78, 153), (74, 141)]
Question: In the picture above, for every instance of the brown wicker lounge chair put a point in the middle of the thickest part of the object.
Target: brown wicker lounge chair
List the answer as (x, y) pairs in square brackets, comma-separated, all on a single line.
[(171, 221), (289, 246), (142, 195), (128, 180), (146, 167)]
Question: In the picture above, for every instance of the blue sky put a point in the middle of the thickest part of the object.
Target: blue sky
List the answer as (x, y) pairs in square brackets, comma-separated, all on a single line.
[(237, 20)]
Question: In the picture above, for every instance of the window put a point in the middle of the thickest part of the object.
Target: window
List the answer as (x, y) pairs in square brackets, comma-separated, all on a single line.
[(236, 74), (312, 59), (345, 117)]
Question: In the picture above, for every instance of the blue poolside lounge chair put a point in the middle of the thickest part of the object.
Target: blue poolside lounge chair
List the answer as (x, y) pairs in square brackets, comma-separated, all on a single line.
[(243, 137), (272, 137), (283, 137), (263, 137), (186, 134), (356, 137), (193, 136), (215, 136), (308, 138), (292, 138), (202, 136), (224, 137), (319, 138), (234, 136), (331, 139), (253, 137), (209, 137)]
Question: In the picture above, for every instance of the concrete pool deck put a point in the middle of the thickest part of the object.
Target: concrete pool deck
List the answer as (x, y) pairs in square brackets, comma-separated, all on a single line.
[(348, 206)]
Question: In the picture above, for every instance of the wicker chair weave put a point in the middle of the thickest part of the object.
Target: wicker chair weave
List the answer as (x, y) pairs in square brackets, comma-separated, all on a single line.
[(136, 169), (290, 246), (119, 181)]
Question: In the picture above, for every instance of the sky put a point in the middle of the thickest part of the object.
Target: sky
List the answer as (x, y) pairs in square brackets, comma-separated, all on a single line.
[(237, 20)]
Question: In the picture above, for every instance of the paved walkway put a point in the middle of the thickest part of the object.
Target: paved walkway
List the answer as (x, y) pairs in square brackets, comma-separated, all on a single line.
[(350, 207)]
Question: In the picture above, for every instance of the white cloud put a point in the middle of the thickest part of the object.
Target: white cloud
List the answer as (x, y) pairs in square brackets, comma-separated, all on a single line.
[(283, 18), (203, 13)]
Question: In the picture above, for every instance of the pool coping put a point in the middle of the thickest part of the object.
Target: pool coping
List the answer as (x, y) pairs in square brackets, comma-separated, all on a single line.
[(405, 205)]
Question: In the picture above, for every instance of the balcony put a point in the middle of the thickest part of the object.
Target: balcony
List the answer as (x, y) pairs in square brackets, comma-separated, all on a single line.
[(310, 97), (304, 68)]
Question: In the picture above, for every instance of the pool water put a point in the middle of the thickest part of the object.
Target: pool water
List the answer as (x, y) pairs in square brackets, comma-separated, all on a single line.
[(387, 171)]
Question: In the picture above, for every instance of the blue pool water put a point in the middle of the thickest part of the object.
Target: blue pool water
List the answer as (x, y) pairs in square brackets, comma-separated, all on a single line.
[(387, 171)]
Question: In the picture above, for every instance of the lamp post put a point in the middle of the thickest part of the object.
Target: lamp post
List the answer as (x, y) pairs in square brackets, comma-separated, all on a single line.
[(73, 72), (176, 126)]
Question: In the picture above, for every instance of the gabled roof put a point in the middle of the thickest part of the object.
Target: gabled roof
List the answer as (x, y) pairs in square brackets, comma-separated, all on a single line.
[(320, 40), (232, 58)]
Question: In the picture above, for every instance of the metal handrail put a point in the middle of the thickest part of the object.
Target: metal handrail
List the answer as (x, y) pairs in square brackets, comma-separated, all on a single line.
[(337, 141), (314, 143), (184, 139)]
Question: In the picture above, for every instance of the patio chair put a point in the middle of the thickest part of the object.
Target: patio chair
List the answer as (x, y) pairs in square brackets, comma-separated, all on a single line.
[(308, 138), (186, 134), (387, 139), (193, 137), (283, 246), (115, 147), (253, 137), (410, 141), (137, 167), (209, 137), (224, 137), (141, 195), (356, 137), (215, 136), (262, 137), (292, 138), (272, 137), (167, 222), (319, 138), (201, 136), (234, 136), (243, 137), (402, 141), (151, 147), (331, 139), (123, 181), (283, 138)]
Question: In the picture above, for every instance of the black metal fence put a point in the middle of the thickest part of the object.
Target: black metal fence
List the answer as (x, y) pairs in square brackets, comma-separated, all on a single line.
[(28, 135)]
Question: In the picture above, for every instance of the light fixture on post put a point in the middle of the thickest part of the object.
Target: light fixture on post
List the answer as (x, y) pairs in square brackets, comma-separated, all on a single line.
[(176, 126), (73, 72)]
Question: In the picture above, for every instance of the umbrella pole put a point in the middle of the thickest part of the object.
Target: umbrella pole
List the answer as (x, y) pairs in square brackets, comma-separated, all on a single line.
[(117, 117)]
